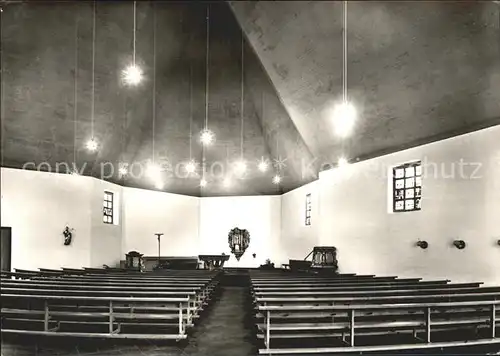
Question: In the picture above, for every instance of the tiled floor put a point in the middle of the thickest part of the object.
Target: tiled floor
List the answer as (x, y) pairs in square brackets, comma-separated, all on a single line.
[(223, 331)]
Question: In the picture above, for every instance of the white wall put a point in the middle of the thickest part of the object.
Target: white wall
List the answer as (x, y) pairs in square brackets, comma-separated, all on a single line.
[(260, 215), (355, 218), (106, 241), (297, 239), (38, 206), (148, 212), (349, 211)]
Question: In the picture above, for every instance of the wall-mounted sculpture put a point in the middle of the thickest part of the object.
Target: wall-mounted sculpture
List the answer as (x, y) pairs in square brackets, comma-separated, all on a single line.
[(460, 244), (68, 235), (422, 244), (239, 240)]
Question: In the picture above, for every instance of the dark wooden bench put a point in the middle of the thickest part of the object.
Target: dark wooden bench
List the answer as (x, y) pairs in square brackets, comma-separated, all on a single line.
[(324, 309), (371, 297), (417, 326), (76, 303), (113, 320), (361, 287)]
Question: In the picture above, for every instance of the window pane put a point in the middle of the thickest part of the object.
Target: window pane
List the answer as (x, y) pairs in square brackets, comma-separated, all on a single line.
[(409, 193), (409, 204), (400, 183), (417, 203), (399, 173), (410, 182), (418, 170), (399, 194), (410, 171), (418, 181), (399, 205)]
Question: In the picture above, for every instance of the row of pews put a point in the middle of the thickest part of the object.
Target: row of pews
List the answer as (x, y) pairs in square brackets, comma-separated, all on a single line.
[(105, 303), (348, 313)]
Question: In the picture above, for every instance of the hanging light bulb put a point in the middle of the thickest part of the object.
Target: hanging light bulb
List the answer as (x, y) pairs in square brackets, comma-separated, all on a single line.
[(240, 167), (92, 144), (344, 118), (123, 170), (226, 182), (132, 75), (153, 171), (159, 184), (190, 166), (263, 165), (207, 137), (203, 183), (277, 179), (342, 162)]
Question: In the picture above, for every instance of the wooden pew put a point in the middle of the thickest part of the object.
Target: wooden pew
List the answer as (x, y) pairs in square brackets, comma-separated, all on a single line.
[(292, 280), (39, 273), (345, 284), (51, 327), (304, 307), (73, 302), (353, 328), (129, 279), (193, 306), (314, 288), (369, 297), (375, 291), (304, 281)]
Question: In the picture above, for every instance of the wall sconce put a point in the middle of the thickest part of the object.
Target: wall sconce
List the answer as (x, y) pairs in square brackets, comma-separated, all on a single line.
[(460, 244), (498, 242), (254, 255), (422, 244)]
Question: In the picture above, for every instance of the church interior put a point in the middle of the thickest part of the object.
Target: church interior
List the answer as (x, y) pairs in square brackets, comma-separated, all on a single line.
[(250, 177)]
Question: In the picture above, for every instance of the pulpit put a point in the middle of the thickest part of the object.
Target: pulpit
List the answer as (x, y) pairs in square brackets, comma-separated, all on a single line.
[(133, 261), (213, 262)]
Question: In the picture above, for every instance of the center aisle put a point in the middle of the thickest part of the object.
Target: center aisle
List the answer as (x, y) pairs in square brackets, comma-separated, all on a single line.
[(224, 331)]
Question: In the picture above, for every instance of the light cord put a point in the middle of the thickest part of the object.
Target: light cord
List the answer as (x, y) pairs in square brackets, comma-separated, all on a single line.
[(154, 80), (135, 26), (207, 69), (242, 94), (75, 108), (93, 69)]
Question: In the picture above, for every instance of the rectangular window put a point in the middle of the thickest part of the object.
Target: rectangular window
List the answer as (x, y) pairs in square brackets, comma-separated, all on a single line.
[(107, 209), (407, 187), (308, 209)]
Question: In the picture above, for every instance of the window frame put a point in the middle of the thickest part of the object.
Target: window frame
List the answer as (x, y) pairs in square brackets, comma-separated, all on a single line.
[(401, 194), (109, 199), (307, 220)]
